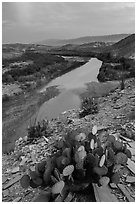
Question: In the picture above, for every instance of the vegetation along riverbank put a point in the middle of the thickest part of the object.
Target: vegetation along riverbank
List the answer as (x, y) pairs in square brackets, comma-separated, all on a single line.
[(26, 75)]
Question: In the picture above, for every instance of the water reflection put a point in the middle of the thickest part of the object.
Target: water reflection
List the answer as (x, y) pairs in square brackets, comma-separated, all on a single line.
[(70, 84)]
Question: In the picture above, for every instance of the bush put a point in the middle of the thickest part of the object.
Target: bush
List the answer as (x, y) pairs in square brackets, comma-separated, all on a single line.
[(7, 78), (38, 130), (89, 106), (5, 98), (26, 78)]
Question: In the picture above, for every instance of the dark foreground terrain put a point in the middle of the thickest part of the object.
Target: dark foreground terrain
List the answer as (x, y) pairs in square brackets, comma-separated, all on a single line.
[(116, 113), (114, 118)]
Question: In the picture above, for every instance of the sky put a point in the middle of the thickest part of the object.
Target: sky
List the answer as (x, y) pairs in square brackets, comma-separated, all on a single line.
[(28, 22)]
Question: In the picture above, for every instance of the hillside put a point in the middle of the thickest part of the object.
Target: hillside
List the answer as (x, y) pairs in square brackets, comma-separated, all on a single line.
[(86, 39), (87, 48), (118, 58), (124, 48), (116, 113)]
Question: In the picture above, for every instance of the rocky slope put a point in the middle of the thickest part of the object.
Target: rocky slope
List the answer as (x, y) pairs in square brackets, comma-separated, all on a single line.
[(118, 60), (116, 112), (125, 47)]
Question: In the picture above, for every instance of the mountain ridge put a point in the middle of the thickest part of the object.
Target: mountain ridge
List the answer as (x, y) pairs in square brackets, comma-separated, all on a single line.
[(125, 47), (85, 39)]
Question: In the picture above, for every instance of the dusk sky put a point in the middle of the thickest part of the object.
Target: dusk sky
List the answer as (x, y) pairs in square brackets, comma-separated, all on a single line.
[(32, 22)]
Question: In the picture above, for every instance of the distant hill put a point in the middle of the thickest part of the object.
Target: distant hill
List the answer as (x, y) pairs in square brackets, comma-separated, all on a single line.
[(85, 47), (125, 47), (82, 40)]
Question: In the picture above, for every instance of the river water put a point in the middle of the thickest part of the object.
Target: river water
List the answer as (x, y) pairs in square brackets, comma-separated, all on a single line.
[(70, 85)]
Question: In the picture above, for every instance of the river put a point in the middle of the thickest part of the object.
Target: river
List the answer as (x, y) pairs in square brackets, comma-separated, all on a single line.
[(70, 85)]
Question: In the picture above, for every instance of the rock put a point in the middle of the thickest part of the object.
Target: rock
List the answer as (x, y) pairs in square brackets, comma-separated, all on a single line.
[(12, 182), (69, 198), (130, 179), (25, 138), (17, 199), (4, 179), (101, 127), (46, 139), (58, 198), (126, 192), (122, 91), (119, 117), (33, 157), (15, 170), (20, 139), (23, 161), (32, 168)]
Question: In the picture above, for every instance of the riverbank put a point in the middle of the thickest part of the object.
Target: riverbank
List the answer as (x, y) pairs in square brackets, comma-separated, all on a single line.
[(20, 110), (116, 69), (116, 112)]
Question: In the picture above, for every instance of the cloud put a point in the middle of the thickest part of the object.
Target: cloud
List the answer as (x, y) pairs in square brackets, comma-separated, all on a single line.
[(67, 19)]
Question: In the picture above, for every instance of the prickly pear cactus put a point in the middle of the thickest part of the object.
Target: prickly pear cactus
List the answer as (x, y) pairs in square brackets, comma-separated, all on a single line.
[(25, 181), (80, 160), (68, 170)]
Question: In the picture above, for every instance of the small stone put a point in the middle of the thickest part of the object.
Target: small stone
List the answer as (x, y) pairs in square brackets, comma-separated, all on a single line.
[(23, 161), (32, 168), (69, 198), (33, 157), (4, 179), (130, 179), (8, 171), (133, 158), (26, 138), (31, 147), (42, 144), (15, 170), (20, 139), (17, 199), (122, 92), (46, 139), (23, 168), (101, 127), (133, 195)]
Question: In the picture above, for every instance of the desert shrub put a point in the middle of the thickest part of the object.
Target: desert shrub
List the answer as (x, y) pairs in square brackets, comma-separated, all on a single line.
[(80, 161), (26, 78), (38, 130), (89, 106), (7, 78), (122, 84), (5, 98)]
